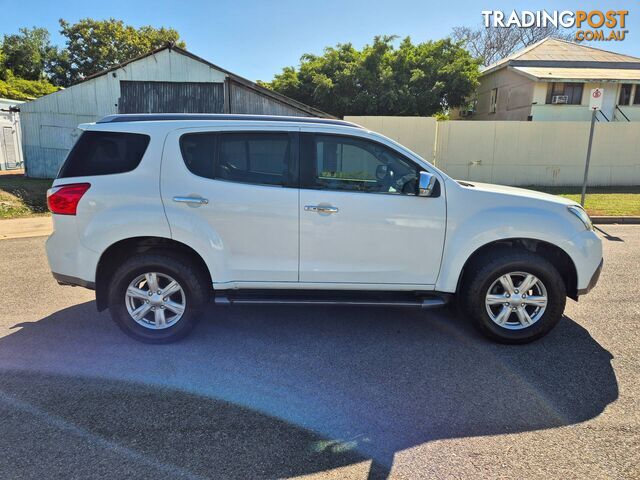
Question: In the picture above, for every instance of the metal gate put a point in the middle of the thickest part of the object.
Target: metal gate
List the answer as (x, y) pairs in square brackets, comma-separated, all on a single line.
[(170, 97)]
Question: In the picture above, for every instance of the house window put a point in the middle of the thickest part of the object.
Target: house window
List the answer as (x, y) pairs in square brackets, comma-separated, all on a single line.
[(565, 93), (493, 105), (625, 94), (636, 97)]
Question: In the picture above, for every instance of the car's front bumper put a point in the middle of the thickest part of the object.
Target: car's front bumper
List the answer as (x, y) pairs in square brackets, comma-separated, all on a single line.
[(594, 279), (73, 281)]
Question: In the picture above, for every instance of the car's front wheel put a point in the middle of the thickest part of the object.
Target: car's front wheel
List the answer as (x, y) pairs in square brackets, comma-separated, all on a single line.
[(157, 297), (513, 296)]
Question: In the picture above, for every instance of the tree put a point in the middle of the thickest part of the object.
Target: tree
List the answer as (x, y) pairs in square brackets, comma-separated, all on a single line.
[(491, 44), (380, 79), (95, 45), (27, 53), (20, 89)]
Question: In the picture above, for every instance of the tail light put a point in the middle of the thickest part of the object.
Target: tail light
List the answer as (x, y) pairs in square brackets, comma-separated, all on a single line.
[(63, 199)]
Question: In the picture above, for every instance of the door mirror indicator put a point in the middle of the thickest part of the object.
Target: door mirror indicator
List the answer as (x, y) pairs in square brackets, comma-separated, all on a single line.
[(426, 184)]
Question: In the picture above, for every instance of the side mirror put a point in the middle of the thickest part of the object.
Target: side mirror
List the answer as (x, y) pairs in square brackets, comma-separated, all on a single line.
[(426, 183)]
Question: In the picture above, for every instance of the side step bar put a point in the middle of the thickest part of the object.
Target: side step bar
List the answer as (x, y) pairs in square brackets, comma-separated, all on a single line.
[(299, 298)]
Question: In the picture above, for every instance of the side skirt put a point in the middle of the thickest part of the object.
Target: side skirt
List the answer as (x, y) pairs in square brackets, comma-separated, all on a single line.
[(332, 297)]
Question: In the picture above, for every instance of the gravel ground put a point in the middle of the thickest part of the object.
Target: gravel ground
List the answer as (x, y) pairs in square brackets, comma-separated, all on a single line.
[(273, 392)]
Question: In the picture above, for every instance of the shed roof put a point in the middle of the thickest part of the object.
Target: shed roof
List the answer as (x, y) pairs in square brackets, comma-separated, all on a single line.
[(236, 78), (554, 52)]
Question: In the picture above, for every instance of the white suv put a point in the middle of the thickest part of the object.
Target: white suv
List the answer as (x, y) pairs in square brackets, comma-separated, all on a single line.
[(161, 213)]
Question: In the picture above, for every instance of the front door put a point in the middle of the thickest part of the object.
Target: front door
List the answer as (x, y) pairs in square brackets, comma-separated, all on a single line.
[(360, 220), (234, 195)]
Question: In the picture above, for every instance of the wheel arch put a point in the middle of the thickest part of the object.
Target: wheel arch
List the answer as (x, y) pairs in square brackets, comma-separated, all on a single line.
[(121, 250), (554, 254)]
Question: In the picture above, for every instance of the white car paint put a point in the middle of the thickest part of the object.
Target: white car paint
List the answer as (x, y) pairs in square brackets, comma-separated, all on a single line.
[(253, 236)]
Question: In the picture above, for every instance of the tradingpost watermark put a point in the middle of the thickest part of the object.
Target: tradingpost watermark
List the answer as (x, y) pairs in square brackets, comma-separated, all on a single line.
[(599, 25)]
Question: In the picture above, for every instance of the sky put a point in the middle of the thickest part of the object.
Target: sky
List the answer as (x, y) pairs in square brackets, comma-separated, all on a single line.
[(256, 39)]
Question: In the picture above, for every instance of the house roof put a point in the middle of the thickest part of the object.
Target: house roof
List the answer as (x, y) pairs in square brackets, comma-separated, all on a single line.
[(236, 78), (580, 74), (554, 52)]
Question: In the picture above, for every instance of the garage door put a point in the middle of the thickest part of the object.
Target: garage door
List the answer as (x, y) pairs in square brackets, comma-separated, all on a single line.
[(170, 97)]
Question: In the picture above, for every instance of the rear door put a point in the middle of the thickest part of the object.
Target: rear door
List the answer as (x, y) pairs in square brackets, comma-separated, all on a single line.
[(360, 220), (233, 196)]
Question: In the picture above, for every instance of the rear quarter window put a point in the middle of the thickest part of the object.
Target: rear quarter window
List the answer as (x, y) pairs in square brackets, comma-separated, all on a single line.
[(104, 153)]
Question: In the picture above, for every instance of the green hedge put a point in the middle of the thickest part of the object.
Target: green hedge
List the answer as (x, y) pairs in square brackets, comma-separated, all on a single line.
[(20, 89)]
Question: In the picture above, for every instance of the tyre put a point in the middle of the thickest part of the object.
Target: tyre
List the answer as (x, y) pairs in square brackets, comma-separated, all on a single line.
[(157, 297), (513, 296)]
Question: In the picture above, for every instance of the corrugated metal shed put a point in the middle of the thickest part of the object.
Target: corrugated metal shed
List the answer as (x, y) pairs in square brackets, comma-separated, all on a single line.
[(166, 80)]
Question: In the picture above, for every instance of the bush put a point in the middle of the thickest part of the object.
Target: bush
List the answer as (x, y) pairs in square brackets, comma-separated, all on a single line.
[(20, 89)]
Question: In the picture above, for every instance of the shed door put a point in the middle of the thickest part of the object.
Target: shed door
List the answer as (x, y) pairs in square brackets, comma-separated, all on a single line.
[(9, 147), (171, 97)]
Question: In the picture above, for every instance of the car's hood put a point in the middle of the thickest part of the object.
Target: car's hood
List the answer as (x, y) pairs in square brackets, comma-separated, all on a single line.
[(518, 192)]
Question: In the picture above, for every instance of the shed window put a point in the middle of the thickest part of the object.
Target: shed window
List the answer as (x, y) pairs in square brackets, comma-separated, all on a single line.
[(565, 93), (493, 104)]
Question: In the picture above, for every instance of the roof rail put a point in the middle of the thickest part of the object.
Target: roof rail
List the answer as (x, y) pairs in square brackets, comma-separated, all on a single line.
[(156, 117)]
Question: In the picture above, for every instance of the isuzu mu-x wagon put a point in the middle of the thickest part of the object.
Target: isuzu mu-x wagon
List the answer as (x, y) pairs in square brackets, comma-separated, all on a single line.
[(161, 214)]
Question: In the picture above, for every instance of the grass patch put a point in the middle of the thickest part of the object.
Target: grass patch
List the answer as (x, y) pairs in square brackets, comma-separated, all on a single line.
[(602, 201), (23, 197)]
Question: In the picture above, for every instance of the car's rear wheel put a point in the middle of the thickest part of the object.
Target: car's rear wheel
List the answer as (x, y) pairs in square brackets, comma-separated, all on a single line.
[(157, 297), (513, 296)]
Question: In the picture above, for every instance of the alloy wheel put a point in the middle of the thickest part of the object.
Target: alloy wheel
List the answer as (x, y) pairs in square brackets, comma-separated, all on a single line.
[(155, 300), (516, 300)]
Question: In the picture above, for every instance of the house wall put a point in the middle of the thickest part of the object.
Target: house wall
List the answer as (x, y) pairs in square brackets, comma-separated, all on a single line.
[(544, 112), (521, 153), (515, 95), (631, 111)]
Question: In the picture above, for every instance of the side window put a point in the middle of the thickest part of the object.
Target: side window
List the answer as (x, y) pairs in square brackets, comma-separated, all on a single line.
[(104, 153), (261, 158), (198, 152), (346, 163)]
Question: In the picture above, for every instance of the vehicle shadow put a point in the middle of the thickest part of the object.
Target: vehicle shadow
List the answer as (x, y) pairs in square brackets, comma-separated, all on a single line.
[(275, 392)]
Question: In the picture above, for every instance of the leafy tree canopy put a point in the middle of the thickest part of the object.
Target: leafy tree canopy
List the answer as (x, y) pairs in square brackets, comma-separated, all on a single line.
[(381, 79), (95, 45), (20, 89), (26, 53)]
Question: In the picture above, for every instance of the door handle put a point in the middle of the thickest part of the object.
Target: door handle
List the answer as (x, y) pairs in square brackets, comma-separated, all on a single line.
[(320, 209), (191, 200)]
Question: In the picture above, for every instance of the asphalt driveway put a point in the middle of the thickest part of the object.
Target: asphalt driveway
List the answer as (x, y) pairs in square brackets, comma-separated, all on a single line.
[(272, 392)]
